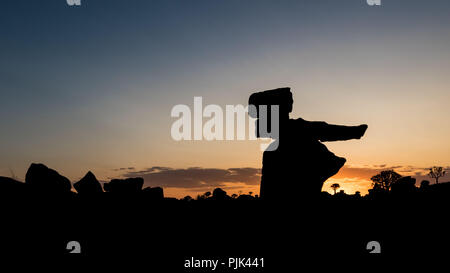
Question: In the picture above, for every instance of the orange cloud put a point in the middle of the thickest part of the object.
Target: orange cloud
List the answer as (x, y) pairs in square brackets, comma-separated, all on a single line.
[(193, 181)]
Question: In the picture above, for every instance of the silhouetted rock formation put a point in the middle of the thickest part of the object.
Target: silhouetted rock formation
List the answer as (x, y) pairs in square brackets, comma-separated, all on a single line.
[(404, 186), (439, 191), (10, 186), (88, 185), (47, 181), (154, 194), (424, 184), (301, 163), (219, 194), (394, 217), (245, 197), (129, 185)]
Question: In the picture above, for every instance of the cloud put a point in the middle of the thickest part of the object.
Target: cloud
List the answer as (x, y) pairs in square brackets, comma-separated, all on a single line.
[(196, 177), (124, 169)]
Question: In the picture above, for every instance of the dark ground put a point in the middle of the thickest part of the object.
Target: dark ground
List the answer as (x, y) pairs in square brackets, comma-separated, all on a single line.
[(162, 234)]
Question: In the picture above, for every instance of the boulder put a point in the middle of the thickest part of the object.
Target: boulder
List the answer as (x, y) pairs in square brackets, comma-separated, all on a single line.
[(43, 179), (129, 185), (88, 185), (155, 193), (10, 186), (219, 194), (404, 185)]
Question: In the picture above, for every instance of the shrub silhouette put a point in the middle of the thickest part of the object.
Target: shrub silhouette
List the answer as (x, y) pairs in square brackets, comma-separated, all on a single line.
[(385, 179)]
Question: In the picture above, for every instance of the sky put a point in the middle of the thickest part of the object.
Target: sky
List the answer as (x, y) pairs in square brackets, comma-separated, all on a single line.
[(92, 87)]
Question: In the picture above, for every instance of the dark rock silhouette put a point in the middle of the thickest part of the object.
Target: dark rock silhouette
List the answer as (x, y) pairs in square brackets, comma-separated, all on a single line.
[(246, 197), (219, 194), (153, 193), (424, 184), (11, 186), (129, 185), (301, 162), (187, 198), (88, 185), (404, 186), (113, 225), (45, 180), (439, 191)]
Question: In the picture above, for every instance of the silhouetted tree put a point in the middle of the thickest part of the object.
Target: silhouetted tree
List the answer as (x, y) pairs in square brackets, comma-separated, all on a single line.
[(208, 194), (234, 196), (436, 173), (250, 193), (385, 179), (335, 186)]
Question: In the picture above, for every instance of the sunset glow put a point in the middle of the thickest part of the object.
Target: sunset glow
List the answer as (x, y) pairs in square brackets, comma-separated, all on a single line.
[(94, 90)]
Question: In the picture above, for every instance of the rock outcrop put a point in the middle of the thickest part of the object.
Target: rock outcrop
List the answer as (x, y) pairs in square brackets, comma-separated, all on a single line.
[(45, 180), (153, 194), (124, 186), (88, 185)]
